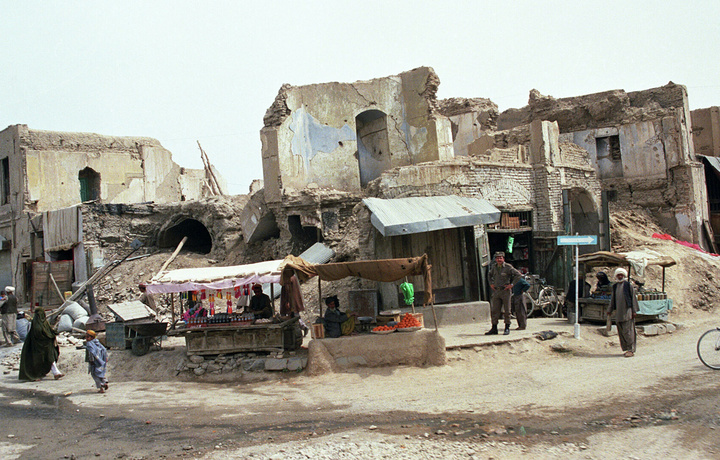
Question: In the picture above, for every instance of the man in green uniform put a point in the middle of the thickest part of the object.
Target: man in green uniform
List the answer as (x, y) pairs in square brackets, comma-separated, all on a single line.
[(501, 276)]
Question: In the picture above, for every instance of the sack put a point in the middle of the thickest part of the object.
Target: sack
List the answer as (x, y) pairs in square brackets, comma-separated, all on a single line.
[(65, 323), (408, 293), (546, 335)]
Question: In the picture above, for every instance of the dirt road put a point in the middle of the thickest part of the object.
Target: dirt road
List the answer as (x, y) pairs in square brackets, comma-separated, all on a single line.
[(523, 399)]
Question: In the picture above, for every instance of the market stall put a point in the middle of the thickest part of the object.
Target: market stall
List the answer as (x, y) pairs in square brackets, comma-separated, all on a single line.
[(653, 303), (224, 329)]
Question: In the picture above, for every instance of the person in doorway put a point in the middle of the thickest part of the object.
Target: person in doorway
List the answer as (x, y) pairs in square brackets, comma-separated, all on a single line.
[(623, 301), (603, 283), (96, 357), (501, 277), (260, 306), (569, 301), (336, 322), (40, 351), (9, 312), (146, 297), (518, 301)]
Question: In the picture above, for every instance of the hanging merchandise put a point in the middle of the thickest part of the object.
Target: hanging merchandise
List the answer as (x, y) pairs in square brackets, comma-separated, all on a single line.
[(237, 291), (227, 297), (408, 293), (510, 243), (202, 294), (194, 297)]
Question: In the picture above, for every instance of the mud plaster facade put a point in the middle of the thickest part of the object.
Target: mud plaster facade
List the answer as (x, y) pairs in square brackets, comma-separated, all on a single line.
[(45, 171), (639, 144), (343, 135), (554, 158), (706, 131)]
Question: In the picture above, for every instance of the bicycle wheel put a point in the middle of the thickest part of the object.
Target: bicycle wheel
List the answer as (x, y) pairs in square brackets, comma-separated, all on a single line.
[(548, 301), (708, 348), (529, 304)]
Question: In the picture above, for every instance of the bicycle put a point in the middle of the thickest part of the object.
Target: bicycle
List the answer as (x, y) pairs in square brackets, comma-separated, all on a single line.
[(708, 348), (546, 298)]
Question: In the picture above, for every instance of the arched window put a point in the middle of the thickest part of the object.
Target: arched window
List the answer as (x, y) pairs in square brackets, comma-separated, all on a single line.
[(89, 185)]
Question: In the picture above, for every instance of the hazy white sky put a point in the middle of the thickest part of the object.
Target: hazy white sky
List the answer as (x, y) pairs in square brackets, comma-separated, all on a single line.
[(187, 71)]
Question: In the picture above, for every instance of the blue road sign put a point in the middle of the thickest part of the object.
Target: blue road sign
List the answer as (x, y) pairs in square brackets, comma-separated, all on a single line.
[(580, 240)]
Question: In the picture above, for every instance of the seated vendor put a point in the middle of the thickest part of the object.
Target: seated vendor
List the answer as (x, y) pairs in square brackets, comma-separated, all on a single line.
[(337, 323), (260, 306), (603, 284), (196, 311)]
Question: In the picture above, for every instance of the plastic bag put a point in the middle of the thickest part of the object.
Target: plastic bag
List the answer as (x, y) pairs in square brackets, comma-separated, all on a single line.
[(408, 293)]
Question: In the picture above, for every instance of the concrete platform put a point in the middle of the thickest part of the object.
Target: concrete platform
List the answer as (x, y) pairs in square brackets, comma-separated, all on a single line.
[(455, 313), (419, 348)]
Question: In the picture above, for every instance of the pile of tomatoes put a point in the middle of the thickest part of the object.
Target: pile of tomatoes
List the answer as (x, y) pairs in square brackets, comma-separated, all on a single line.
[(408, 321), (383, 328)]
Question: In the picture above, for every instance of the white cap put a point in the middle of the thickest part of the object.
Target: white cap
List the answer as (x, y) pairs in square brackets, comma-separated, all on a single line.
[(9, 289), (621, 271)]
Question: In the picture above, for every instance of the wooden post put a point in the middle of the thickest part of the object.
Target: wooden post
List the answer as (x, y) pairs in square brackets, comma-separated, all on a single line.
[(320, 296), (172, 257), (172, 309), (272, 295), (57, 289)]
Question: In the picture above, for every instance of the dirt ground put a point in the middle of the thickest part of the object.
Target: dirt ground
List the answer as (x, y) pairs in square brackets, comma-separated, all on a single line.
[(565, 398)]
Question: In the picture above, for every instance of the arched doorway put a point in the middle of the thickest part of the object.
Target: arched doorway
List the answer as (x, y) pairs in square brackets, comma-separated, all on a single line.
[(89, 184), (199, 238), (373, 145), (584, 216)]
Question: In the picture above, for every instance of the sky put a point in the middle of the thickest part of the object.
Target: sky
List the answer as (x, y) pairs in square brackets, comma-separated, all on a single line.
[(206, 71)]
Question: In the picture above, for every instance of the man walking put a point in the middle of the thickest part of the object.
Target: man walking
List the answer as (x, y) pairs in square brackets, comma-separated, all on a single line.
[(501, 277), (624, 300), (9, 317)]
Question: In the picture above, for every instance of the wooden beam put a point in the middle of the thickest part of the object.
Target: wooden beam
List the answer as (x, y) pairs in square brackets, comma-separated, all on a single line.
[(172, 257)]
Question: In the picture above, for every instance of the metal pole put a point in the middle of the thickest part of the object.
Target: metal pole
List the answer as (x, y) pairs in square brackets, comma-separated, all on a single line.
[(577, 293)]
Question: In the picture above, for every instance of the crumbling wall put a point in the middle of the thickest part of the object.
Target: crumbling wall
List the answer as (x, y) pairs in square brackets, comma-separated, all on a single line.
[(470, 119), (706, 131), (108, 229), (131, 169), (311, 132)]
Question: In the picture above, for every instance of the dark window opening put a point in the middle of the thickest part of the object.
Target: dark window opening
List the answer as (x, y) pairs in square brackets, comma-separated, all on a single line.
[(61, 255), (89, 185), (302, 237), (199, 239), (5, 178), (608, 148), (612, 195)]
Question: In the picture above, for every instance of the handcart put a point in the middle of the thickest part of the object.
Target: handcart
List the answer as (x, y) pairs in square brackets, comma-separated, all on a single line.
[(144, 335)]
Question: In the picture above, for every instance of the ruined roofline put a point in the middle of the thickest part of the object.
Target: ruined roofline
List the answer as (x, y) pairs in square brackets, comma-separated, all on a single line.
[(597, 110), (459, 105), (279, 111), (60, 140)]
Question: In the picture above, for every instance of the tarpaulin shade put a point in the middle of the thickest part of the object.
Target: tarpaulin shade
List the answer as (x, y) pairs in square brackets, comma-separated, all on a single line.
[(384, 270), (217, 278)]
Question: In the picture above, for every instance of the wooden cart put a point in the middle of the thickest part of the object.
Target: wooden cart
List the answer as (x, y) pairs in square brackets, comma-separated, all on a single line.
[(595, 309), (215, 340)]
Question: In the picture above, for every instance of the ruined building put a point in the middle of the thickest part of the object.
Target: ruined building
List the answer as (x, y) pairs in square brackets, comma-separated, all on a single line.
[(45, 175), (551, 168)]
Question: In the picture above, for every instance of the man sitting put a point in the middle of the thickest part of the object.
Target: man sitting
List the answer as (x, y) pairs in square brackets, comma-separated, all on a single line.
[(337, 323)]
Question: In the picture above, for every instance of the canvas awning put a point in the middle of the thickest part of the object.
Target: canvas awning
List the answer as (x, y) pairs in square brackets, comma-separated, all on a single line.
[(404, 216), (216, 278)]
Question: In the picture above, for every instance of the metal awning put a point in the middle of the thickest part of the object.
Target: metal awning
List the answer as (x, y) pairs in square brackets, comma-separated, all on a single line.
[(404, 216), (713, 162)]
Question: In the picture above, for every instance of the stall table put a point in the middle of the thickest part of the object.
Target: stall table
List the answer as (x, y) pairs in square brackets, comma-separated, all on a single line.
[(214, 340), (592, 309)]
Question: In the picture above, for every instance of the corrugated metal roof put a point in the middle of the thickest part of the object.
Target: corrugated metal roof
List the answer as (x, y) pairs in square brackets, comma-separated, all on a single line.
[(403, 216)]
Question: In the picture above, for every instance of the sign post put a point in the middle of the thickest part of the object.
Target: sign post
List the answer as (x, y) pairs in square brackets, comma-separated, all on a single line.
[(577, 240)]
